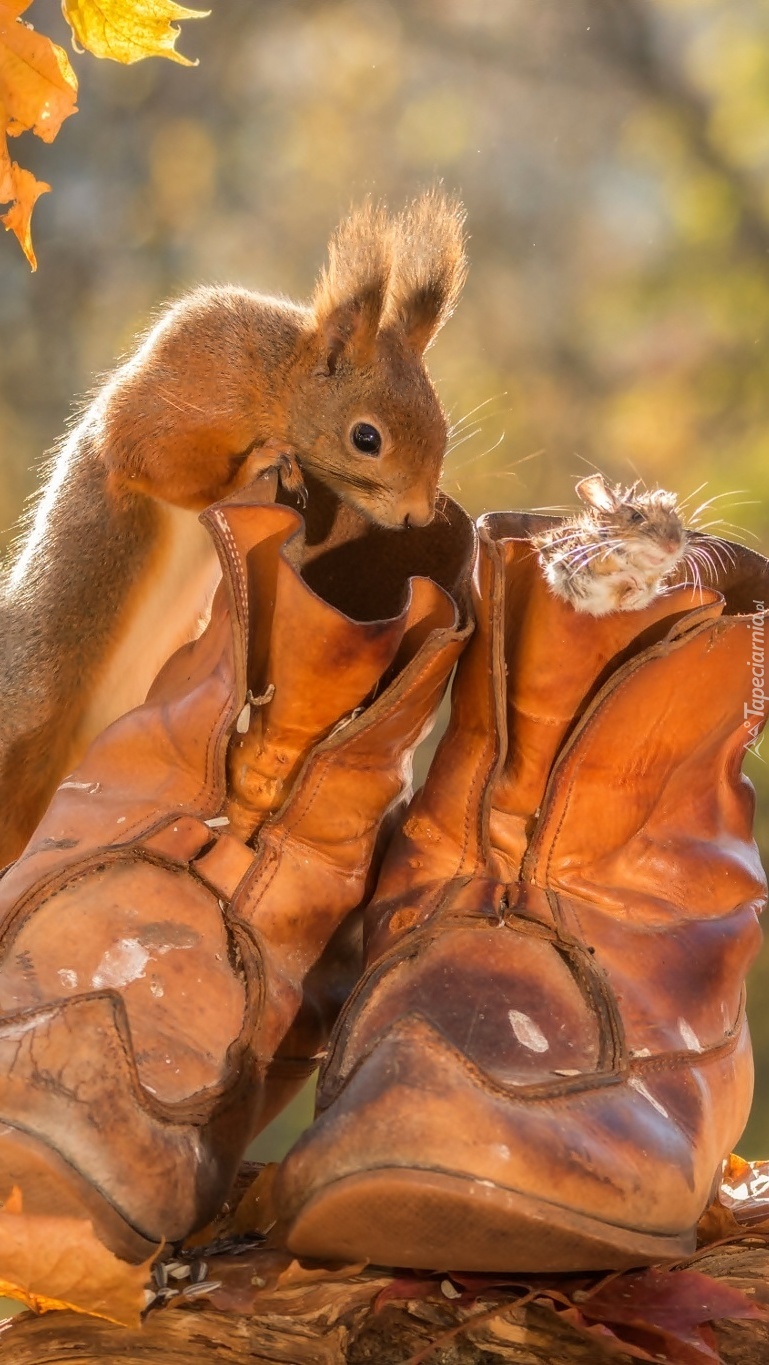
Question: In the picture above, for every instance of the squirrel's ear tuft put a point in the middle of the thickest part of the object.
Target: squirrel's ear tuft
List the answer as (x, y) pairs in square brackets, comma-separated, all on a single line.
[(350, 293), (595, 492), (429, 267)]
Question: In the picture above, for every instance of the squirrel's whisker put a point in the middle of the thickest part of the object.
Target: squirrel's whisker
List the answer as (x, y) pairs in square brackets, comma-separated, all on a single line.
[(489, 450), (462, 421), (454, 445)]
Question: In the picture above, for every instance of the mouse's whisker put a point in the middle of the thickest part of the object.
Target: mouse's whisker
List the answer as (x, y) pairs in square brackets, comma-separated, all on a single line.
[(727, 525), (712, 561), (716, 559), (697, 553), (704, 556), (722, 551), (718, 551), (718, 497), (582, 556), (692, 567), (684, 501)]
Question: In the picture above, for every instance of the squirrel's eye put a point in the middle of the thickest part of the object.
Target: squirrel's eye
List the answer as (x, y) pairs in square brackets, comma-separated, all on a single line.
[(366, 438), (637, 518)]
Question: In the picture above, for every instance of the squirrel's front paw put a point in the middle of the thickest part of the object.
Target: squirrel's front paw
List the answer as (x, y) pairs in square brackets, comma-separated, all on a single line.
[(277, 455), (290, 476)]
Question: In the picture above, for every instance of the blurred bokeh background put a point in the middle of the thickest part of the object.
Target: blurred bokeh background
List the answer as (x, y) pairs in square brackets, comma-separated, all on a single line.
[(614, 159)]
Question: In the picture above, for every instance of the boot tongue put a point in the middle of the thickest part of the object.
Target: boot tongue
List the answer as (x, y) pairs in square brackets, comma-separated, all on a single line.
[(556, 660)]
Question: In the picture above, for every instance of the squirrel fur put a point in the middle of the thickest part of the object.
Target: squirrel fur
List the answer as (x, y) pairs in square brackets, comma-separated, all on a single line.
[(115, 571)]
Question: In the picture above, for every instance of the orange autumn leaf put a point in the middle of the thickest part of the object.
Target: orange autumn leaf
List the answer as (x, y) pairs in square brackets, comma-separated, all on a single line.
[(50, 1262), (7, 182), (37, 84), (129, 30), (21, 187), (18, 219), (38, 89)]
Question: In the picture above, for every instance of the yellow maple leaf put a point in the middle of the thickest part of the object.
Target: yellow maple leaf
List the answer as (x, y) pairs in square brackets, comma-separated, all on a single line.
[(129, 30)]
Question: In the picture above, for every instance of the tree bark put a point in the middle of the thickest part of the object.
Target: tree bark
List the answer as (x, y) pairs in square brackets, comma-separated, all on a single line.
[(256, 1305)]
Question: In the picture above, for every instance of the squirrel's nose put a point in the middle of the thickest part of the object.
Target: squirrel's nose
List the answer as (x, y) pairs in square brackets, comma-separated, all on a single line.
[(420, 515)]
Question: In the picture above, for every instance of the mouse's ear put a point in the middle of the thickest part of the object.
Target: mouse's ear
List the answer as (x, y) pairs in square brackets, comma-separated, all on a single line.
[(596, 493), (429, 267), (350, 292)]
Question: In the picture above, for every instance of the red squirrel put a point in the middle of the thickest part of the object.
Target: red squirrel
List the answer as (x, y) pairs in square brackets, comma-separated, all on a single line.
[(115, 571)]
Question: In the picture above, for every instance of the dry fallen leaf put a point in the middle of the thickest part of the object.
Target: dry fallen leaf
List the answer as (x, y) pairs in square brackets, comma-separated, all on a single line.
[(128, 32), (663, 1315), (48, 1262), (315, 1272), (262, 1280), (407, 1287)]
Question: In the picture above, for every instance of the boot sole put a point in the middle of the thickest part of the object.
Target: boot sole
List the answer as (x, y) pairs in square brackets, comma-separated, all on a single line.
[(431, 1220), (51, 1188)]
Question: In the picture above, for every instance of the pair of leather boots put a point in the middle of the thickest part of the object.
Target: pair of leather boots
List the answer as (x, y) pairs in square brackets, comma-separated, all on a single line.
[(543, 1056)]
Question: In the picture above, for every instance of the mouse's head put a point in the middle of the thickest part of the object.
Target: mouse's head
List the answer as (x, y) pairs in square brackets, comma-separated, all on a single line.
[(365, 417), (647, 523)]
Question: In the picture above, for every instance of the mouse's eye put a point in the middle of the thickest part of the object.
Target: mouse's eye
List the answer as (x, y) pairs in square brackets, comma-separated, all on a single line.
[(637, 518), (366, 438)]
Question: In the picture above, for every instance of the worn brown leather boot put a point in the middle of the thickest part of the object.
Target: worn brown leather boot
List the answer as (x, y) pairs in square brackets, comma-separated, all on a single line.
[(547, 1057), (163, 935)]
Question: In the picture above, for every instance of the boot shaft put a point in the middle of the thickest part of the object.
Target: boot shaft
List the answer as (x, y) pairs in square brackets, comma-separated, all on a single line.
[(281, 673), (596, 757)]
